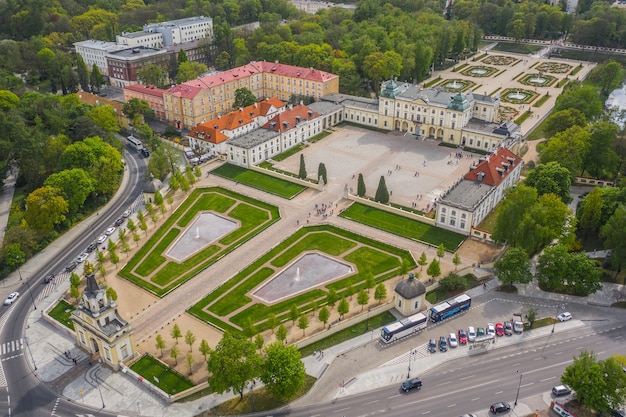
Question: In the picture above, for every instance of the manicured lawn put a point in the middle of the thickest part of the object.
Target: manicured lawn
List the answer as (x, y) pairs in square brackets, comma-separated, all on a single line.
[(518, 48), (62, 312), (254, 216), (169, 380), (350, 333), (403, 226), (489, 223), (380, 260), (258, 180)]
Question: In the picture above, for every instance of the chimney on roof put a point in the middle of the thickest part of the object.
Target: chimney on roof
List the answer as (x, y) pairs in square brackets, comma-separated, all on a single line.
[(298, 119), (256, 105), (272, 124), (480, 176), (286, 124), (301, 102), (240, 108)]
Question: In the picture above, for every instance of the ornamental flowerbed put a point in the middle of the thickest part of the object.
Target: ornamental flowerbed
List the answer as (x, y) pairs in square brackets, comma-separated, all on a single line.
[(499, 60), (554, 67), (479, 71), (538, 80), (510, 96)]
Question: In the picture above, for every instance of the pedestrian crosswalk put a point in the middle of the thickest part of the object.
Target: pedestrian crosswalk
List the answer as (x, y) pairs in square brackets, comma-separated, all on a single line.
[(10, 347)]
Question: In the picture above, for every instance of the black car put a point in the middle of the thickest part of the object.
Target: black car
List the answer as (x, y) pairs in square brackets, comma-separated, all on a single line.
[(432, 346), (48, 278), (119, 222), (71, 266), (91, 247), (443, 344), (410, 384), (499, 408)]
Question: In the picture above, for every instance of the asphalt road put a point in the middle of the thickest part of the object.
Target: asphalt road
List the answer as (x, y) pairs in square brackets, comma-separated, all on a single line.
[(25, 395), (472, 384)]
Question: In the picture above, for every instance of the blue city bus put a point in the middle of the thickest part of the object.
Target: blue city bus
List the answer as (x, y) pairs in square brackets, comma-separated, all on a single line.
[(405, 327), (449, 308)]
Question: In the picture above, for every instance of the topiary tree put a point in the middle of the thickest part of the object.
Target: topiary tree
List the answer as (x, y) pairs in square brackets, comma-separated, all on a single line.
[(360, 187), (302, 172), (321, 172), (382, 195)]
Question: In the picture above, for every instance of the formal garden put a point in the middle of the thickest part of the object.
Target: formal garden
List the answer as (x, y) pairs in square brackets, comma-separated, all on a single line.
[(316, 266), (479, 71), (263, 182), (210, 223)]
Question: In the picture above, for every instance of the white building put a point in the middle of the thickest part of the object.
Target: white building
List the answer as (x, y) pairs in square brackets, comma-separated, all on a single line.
[(94, 52), (173, 32), (466, 204)]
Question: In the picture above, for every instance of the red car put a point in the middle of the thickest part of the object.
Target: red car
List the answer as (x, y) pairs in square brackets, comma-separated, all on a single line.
[(462, 337), (499, 329)]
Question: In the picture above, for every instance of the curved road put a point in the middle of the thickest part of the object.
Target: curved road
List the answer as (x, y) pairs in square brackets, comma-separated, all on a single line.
[(26, 395)]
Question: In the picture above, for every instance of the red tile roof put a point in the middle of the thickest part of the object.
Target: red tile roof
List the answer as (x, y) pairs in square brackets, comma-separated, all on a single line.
[(146, 89), (223, 77), (310, 74), (208, 133), (94, 100), (495, 167), (184, 91), (289, 118)]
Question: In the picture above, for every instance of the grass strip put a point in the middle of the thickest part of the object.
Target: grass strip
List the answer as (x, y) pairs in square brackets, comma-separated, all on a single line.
[(161, 375), (264, 182)]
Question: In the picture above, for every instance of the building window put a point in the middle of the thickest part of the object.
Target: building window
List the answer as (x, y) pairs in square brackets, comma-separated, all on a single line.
[(442, 219), (452, 222), (463, 225), (107, 354), (124, 352), (399, 303)]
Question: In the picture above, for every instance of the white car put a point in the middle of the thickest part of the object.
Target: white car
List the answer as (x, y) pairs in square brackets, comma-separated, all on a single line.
[(101, 239), (81, 258), (564, 316), (126, 213), (452, 340), (109, 231), (491, 329), (471, 334), (11, 298)]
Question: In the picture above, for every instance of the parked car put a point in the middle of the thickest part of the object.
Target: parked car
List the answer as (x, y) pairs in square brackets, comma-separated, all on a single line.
[(71, 266), (469, 415), (11, 298), (443, 344), (119, 222), (471, 334), (48, 278), (491, 329), (101, 239), (126, 213), (462, 337), (560, 390), (453, 340), (564, 316), (432, 346), (480, 332), (81, 258), (409, 384), (92, 247), (499, 329), (499, 408), (508, 329), (109, 231)]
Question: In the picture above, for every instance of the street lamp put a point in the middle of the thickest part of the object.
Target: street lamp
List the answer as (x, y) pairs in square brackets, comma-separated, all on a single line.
[(31, 294), (32, 358), (518, 388), (252, 393), (98, 385), (411, 353)]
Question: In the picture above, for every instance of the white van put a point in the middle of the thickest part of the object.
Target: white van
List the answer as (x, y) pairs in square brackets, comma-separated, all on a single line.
[(471, 334)]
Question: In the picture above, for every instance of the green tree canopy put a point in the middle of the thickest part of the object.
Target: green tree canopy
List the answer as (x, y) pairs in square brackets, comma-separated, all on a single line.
[(76, 185), (513, 267), (233, 364), (45, 208), (569, 148), (562, 120), (512, 210), (614, 233), (551, 178), (563, 271), (382, 195), (585, 99), (283, 371), (360, 189), (243, 98)]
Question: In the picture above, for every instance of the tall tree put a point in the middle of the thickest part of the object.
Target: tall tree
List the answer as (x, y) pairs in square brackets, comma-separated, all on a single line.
[(152, 74), (380, 293), (591, 213), (83, 72), (95, 79), (441, 251), (204, 349), (233, 364), (182, 57), (45, 208), (302, 171), (360, 188), (574, 273), (422, 261), (344, 307), (614, 233), (382, 195), (601, 160), (283, 371), (511, 213), (363, 298), (513, 267), (562, 120), (323, 315), (176, 333), (190, 339), (243, 98), (174, 352), (434, 269), (303, 323), (76, 185), (551, 178), (159, 343), (321, 173)]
